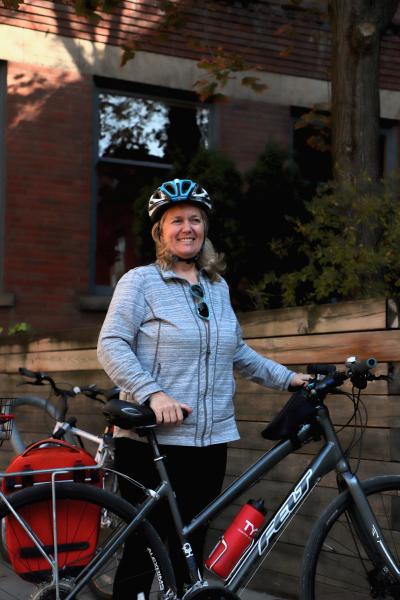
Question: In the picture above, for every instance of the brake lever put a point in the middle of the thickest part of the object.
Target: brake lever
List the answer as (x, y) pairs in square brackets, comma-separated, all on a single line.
[(36, 382), (372, 377)]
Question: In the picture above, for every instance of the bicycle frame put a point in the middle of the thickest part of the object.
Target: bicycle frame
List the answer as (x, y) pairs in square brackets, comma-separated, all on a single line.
[(330, 457)]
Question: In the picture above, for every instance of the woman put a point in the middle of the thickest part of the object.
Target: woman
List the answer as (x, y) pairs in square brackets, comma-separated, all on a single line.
[(171, 339)]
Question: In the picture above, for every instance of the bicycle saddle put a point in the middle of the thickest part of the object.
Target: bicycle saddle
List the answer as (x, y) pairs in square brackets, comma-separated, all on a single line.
[(128, 415)]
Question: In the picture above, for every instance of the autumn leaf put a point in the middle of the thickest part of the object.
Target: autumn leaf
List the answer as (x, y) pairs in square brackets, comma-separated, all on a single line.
[(285, 28), (254, 84), (14, 4), (128, 52), (286, 52)]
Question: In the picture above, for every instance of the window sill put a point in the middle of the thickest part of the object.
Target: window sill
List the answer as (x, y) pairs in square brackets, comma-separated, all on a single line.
[(7, 299), (92, 303)]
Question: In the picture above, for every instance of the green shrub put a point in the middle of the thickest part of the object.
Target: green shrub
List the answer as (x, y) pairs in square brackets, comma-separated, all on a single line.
[(21, 327), (274, 190), (349, 246)]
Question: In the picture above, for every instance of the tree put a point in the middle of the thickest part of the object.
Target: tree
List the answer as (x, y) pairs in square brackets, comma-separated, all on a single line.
[(357, 29)]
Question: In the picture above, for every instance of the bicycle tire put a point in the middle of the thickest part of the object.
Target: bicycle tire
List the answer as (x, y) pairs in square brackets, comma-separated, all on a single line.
[(335, 564), (26, 499), (47, 409), (100, 585)]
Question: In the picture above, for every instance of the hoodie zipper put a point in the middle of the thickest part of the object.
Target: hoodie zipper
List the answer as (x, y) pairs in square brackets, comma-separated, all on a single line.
[(208, 352)]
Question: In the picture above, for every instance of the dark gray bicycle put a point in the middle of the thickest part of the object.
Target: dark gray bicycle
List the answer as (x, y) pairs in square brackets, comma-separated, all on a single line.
[(352, 550)]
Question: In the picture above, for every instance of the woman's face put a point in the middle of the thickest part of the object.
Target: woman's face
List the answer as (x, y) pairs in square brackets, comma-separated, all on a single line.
[(182, 230)]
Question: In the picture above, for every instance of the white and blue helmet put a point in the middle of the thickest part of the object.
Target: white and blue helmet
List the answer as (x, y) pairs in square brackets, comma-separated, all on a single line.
[(177, 190)]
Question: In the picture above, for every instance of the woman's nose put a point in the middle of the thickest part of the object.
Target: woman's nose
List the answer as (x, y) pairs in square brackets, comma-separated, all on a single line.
[(187, 226)]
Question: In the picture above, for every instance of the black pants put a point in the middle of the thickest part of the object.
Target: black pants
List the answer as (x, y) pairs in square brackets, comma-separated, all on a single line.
[(196, 475)]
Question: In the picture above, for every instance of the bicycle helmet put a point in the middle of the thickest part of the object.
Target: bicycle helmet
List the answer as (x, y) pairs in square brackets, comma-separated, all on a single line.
[(177, 190)]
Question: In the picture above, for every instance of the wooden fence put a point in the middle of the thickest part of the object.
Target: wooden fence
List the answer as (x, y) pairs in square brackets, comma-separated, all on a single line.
[(295, 337)]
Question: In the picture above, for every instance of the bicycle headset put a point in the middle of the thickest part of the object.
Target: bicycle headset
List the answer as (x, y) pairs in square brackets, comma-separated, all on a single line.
[(177, 190)]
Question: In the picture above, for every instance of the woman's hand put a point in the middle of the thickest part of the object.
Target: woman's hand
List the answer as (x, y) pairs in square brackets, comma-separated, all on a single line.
[(167, 410), (299, 380)]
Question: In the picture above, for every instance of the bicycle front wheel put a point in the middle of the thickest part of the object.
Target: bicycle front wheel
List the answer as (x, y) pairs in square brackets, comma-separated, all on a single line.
[(335, 564), (80, 539)]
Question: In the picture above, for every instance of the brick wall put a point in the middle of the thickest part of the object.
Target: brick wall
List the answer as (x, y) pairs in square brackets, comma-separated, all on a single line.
[(245, 128), (274, 35), (48, 195)]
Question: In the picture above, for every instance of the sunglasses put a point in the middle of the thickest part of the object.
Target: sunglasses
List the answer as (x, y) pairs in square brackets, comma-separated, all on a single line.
[(198, 294)]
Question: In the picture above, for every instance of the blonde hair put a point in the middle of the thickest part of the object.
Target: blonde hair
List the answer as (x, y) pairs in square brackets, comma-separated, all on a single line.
[(210, 261)]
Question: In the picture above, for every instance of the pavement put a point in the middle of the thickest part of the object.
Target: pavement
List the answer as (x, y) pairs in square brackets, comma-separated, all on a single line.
[(13, 587)]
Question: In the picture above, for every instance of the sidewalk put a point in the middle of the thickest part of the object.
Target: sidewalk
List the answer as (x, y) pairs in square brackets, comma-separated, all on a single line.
[(13, 587)]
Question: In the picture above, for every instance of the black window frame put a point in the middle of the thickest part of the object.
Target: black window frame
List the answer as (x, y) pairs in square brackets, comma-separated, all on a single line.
[(388, 139), (171, 96)]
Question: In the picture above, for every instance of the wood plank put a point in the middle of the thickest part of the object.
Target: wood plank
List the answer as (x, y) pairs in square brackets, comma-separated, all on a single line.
[(393, 313), (377, 442), (275, 322), (51, 361), (383, 411), (343, 316), (330, 348), (69, 339)]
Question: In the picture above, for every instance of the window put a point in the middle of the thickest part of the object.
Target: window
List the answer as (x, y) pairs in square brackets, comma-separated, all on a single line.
[(315, 165), (3, 92), (141, 135), (388, 146)]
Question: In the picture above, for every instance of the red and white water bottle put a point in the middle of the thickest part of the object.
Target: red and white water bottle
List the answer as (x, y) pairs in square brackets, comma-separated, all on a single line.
[(236, 538)]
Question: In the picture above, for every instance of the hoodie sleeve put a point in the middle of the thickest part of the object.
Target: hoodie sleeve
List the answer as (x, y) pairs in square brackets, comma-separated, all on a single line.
[(254, 366), (117, 339)]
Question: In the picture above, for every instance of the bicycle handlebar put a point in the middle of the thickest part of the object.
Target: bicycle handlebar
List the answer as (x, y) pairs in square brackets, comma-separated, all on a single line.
[(91, 391), (320, 369), (40, 377), (358, 371), (361, 367), (37, 375)]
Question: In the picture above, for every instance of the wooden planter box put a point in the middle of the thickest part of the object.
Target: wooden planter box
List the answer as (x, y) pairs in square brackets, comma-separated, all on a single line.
[(295, 337)]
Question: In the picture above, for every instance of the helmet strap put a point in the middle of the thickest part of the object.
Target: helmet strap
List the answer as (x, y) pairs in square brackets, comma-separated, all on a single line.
[(193, 259), (188, 261)]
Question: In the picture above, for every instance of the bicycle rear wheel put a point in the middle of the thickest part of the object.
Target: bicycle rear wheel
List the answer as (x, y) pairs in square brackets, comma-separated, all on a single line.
[(335, 564), (76, 504)]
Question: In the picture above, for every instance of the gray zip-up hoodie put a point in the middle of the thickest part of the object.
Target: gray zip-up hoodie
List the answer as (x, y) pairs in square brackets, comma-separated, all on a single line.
[(153, 340)]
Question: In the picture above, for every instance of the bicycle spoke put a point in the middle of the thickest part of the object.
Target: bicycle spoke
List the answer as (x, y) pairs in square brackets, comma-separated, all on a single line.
[(343, 568), (80, 546)]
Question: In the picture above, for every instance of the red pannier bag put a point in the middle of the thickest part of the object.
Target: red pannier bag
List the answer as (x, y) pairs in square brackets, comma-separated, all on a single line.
[(78, 522)]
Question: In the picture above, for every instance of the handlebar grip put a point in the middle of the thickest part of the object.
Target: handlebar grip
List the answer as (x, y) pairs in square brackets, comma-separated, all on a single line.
[(361, 367), (28, 373), (322, 369)]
